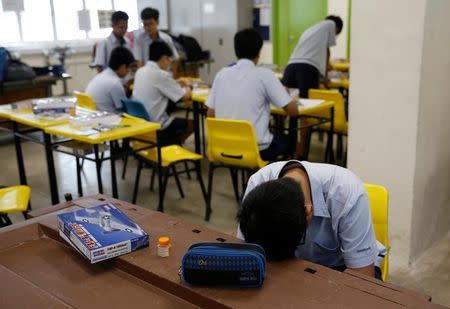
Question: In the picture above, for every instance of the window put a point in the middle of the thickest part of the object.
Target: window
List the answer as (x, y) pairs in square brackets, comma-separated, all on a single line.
[(66, 19), (8, 20), (93, 6), (37, 21)]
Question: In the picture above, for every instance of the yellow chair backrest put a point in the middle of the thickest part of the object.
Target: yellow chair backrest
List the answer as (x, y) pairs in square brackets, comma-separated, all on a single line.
[(14, 199), (84, 100), (340, 121), (379, 202), (233, 142)]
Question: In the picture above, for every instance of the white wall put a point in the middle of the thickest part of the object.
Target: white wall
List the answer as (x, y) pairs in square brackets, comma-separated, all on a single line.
[(384, 105), (340, 8), (431, 213)]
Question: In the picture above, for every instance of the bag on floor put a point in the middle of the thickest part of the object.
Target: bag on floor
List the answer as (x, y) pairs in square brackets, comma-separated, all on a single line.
[(224, 264)]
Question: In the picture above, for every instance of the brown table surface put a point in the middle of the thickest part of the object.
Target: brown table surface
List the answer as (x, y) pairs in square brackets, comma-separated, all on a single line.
[(37, 268)]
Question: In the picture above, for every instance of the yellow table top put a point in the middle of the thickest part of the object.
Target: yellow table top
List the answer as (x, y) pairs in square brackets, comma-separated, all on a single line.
[(200, 94), (306, 110), (339, 83), (26, 117), (340, 65), (128, 127)]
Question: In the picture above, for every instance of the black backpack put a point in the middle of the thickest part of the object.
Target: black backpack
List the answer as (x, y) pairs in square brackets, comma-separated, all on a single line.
[(17, 70), (193, 50)]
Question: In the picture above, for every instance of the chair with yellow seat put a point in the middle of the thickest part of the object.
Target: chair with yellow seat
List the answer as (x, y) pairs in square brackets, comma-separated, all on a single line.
[(13, 199), (85, 101), (232, 144), (379, 203), (171, 155), (340, 120)]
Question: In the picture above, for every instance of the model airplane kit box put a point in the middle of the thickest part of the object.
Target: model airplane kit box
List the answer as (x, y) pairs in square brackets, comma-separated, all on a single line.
[(101, 232)]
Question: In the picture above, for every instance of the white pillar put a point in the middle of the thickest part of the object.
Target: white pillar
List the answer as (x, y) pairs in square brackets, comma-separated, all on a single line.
[(339, 8), (399, 107)]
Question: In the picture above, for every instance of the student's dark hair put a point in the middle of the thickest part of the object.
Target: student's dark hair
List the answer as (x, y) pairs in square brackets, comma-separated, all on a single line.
[(338, 21), (119, 56), (158, 49), (149, 13), (118, 16), (247, 43), (273, 216)]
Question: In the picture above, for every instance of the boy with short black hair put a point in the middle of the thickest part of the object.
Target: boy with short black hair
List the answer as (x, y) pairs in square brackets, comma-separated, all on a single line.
[(119, 22), (245, 92), (316, 212), (150, 19), (154, 87), (106, 88)]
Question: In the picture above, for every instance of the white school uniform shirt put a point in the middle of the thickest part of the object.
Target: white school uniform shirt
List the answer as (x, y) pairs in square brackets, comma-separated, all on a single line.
[(245, 92), (341, 231), (154, 87), (106, 89), (105, 47), (313, 44), (142, 45)]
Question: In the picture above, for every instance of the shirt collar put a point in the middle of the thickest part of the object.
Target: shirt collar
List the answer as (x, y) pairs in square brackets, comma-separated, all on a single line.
[(245, 63), (153, 65), (110, 72), (320, 208)]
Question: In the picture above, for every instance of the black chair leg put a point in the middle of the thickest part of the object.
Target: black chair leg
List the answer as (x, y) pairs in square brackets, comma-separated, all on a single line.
[(177, 179), (136, 181), (210, 183), (165, 178), (202, 187), (234, 180), (186, 168), (125, 163), (5, 220), (152, 179), (79, 184), (340, 147)]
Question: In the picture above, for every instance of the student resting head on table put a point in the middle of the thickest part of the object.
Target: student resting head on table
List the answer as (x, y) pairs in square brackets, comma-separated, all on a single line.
[(154, 86), (316, 212), (245, 92), (106, 88)]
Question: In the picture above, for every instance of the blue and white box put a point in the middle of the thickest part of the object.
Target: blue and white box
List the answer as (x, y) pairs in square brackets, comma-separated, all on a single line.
[(101, 232)]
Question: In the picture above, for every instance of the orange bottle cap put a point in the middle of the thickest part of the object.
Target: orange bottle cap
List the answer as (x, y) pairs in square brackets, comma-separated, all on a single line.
[(164, 241)]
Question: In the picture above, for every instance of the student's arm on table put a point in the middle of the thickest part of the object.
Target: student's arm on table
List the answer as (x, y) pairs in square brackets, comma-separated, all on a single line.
[(187, 94), (211, 112), (291, 108), (368, 270)]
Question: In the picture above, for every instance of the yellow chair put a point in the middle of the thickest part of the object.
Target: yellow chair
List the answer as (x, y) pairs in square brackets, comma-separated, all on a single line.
[(340, 120), (379, 202), (232, 144), (13, 199), (85, 101), (170, 156)]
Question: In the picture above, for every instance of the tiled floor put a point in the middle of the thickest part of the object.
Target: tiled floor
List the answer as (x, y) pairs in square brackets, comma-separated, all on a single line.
[(431, 274)]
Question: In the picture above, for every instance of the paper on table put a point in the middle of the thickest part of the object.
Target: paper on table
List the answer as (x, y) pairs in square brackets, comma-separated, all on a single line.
[(309, 102)]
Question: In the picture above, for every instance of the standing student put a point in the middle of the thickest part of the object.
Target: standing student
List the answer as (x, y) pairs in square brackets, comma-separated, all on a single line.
[(245, 92), (119, 21), (106, 88), (308, 63), (311, 56), (150, 19), (154, 87)]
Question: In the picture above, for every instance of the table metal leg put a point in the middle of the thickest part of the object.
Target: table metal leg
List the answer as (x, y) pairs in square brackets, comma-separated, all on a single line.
[(19, 155), (51, 169), (98, 165), (330, 153), (196, 113), (160, 184), (112, 146)]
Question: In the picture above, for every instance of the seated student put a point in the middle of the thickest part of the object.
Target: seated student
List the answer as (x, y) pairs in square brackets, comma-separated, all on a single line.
[(119, 21), (106, 88), (245, 92), (316, 212), (154, 87), (150, 19)]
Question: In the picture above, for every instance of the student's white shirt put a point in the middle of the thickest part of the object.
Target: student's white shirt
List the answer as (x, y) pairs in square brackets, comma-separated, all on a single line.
[(106, 89), (142, 45), (313, 44), (105, 47), (245, 92), (154, 87)]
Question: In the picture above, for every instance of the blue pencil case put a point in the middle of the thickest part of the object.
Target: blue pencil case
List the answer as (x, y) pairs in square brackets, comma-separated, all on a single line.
[(224, 264)]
